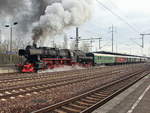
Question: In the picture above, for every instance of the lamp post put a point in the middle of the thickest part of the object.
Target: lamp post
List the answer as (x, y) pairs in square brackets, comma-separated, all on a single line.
[(11, 30), (0, 36)]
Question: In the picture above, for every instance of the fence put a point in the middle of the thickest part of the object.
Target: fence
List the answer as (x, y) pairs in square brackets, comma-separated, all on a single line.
[(10, 59)]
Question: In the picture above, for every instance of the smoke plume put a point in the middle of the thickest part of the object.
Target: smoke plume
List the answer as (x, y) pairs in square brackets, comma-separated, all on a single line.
[(9, 7), (44, 17), (60, 15), (25, 12)]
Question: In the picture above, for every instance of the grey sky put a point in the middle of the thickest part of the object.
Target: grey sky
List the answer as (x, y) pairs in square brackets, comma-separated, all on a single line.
[(136, 13)]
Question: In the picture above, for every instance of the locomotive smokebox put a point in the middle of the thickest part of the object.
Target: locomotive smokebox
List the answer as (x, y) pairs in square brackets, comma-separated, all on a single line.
[(22, 52)]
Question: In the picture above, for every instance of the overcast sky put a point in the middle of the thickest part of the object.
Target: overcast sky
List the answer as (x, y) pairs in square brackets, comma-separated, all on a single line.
[(126, 38), (135, 12)]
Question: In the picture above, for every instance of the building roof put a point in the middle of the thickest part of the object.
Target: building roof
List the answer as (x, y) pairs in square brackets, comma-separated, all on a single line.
[(113, 53)]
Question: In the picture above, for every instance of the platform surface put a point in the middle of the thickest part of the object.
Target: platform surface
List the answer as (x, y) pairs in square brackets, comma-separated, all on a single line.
[(136, 99)]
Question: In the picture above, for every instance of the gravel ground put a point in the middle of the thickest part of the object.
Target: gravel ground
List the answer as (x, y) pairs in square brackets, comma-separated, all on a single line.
[(30, 102)]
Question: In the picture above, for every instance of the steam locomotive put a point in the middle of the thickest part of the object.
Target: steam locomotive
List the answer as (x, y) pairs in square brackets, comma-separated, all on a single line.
[(40, 58)]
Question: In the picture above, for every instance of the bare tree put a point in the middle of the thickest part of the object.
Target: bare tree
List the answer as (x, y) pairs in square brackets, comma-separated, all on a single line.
[(4, 46), (20, 43), (85, 47), (72, 45), (65, 44), (5, 55)]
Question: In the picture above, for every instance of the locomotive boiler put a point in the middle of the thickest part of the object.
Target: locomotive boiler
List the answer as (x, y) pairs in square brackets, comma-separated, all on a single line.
[(40, 58)]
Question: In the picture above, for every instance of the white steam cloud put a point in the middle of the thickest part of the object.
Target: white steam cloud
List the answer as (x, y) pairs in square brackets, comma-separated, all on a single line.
[(60, 15), (44, 17)]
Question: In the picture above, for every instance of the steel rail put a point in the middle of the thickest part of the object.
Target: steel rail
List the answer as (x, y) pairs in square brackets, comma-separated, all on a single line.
[(51, 84), (86, 103)]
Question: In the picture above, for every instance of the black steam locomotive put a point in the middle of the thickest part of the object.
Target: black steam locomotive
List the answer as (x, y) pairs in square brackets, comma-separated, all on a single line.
[(40, 58)]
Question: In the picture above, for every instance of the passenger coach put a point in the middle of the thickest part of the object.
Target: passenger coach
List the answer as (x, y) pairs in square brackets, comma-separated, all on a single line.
[(109, 58)]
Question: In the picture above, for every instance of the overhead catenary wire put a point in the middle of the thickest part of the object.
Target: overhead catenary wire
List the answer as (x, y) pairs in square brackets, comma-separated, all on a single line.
[(122, 12), (118, 16)]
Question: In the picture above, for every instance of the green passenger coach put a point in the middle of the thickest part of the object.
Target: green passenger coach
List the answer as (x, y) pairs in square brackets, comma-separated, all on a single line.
[(104, 59), (109, 58)]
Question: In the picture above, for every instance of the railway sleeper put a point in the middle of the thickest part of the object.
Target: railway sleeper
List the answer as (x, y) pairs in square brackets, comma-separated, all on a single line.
[(84, 103), (87, 101), (78, 106), (92, 98), (71, 110)]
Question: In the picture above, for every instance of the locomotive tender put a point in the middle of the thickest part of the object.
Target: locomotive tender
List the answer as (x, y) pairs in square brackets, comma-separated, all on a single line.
[(39, 58)]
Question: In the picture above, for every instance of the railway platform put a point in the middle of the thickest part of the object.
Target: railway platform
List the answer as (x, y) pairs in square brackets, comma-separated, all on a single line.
[(8, 69), (136, 99)]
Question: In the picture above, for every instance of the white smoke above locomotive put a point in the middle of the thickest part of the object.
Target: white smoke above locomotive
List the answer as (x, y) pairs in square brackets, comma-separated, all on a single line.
[(61, 15), (44, 18)]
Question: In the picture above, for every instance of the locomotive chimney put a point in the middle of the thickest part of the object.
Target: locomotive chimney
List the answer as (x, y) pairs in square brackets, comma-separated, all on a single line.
[(34, 45)]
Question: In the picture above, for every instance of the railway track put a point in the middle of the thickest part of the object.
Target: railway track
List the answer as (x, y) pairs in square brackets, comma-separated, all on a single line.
[(38, 94), (87, 102), (51, 83), (9, 93), (29, 79), (16, 75), (11, 76)]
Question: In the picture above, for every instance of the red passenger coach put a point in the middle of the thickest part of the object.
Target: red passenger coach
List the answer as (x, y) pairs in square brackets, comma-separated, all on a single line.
[(121, 60)]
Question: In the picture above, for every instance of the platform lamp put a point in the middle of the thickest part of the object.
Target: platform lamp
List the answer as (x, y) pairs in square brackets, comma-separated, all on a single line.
[(0, 36), (10, 44)]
